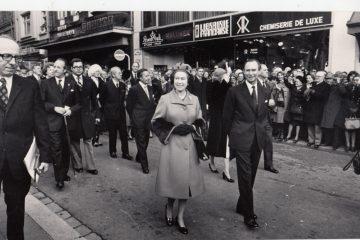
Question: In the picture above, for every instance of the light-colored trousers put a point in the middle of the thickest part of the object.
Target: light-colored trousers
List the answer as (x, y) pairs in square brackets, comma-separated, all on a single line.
[(88, 154), (314, 134)]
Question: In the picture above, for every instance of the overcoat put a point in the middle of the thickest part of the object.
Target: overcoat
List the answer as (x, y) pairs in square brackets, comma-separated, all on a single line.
[(280, 111), (314, 107), (179, 172), (216, 92)]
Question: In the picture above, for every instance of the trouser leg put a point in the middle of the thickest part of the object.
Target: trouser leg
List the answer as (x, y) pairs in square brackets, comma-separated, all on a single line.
[(89, 154)]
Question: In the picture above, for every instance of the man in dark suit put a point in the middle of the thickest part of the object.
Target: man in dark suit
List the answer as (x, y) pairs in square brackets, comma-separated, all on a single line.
[(22, 116), (89, 114), (61, 98), (133, 75), (245, 120), (268, 147), (140, 106), (37, 72), (316, 95), (198, 86), (112, 98)]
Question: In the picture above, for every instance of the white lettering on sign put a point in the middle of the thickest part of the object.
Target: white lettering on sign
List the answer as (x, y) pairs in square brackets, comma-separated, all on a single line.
[(212, 29), (153, 40), (279, 25), (66, 33), (242, 23), (314, 20)]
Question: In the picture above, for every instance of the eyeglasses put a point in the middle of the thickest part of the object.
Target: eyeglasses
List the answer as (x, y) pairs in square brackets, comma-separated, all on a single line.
[(78, 67), (9, 57)]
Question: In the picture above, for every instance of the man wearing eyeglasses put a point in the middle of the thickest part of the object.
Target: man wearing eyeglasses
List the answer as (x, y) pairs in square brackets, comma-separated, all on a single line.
[(22, 116), (89, 114)]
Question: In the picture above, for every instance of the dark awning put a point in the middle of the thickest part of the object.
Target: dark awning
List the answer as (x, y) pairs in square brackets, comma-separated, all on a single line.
[(354, 24)]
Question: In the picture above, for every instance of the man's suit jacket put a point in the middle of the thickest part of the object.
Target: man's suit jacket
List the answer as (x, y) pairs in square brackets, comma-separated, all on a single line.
[(34, 78), (242, 121), (113, 101), (140, 107), (133, 80), (23, 119), (52, 97), (199, 89), (89, 106)]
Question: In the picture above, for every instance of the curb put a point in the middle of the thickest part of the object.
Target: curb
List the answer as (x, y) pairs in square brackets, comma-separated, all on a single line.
[(56, 220)]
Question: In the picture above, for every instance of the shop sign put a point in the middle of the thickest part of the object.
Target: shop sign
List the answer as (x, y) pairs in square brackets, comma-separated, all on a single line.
[(65, 33), (31, 50), (164, 36), (119, 55), (213, 28), (61, 28), (265, 22), (97, 24)]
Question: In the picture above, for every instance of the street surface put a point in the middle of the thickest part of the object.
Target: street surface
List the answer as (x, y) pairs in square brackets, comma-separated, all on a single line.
[(311, 198)]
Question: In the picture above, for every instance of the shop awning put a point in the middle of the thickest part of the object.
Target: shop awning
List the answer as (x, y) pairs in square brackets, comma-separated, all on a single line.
[(354, 24)]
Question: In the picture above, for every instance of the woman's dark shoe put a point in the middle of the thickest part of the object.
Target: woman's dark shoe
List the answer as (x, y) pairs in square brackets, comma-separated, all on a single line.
[(347, 149), (169, 221), (227, 179), (213, 171), (295, 140), (287, 139), (352, 149), (183, 229)]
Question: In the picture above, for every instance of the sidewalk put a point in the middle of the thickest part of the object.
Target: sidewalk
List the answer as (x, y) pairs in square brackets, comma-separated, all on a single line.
[(32, 230), (40, 222)]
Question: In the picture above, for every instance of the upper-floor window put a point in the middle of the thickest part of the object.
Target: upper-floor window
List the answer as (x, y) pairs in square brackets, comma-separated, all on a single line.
[(149, 19), (73, 13), (166, 18), (26, 24), (61, 14), (204, 14)]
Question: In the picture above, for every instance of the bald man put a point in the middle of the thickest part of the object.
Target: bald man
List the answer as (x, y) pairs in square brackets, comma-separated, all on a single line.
[(112, 98), (22, 117)]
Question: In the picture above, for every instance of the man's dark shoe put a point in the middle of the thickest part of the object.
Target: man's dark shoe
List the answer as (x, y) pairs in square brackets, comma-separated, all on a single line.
[(127, 156), (251, 223), (79, 170), (146, 171), (316, 146), (272, 169), (93, 172), (309, 144), (60, 185), (113, 155), (67, 178), (241, 213)]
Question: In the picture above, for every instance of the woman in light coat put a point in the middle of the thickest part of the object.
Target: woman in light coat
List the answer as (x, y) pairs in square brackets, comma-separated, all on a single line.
[(179, 174)]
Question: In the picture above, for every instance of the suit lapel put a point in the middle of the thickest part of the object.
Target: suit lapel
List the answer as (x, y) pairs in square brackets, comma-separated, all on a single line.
[(261, 96), (15, 90), (55, 87), (66, 88)]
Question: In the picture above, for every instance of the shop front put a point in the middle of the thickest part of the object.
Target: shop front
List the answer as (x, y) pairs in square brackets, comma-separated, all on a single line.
[(282, 39), (94, 40)]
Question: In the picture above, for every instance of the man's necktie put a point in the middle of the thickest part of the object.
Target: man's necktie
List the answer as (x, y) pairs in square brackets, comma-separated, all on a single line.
[(79, 82), (4, 99), (59, 85), (147, 91), (117, 85), (254, 97)]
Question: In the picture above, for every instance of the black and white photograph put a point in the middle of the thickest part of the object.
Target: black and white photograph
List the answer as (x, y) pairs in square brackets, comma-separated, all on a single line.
[(131, 121)]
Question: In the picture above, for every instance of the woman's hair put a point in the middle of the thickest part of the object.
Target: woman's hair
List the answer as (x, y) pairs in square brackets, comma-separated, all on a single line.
[(277, 75), (93, 68), (351, 73), (46, 66), (172, 76)]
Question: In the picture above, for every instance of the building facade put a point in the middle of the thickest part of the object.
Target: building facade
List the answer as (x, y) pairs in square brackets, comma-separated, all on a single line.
[(7, 23), (31, 31), (309, 40), (92, 36)]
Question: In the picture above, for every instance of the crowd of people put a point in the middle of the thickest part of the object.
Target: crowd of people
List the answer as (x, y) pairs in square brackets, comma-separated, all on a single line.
[(240, 113)]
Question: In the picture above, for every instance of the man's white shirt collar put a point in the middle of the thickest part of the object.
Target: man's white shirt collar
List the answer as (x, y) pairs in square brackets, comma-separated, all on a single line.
[(249, 85)]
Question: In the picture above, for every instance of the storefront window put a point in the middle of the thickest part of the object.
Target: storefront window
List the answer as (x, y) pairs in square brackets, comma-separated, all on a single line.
[(308, 50), (166, 18), (203, 14), (61, 14), (149, 19)]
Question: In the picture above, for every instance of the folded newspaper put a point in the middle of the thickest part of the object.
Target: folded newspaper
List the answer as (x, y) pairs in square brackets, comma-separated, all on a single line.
[(32, 161)]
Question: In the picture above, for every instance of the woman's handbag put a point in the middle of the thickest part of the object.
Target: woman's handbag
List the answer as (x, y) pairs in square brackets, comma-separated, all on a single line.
[(355, 162), (296, 108), (352, 123), (200, 145)]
